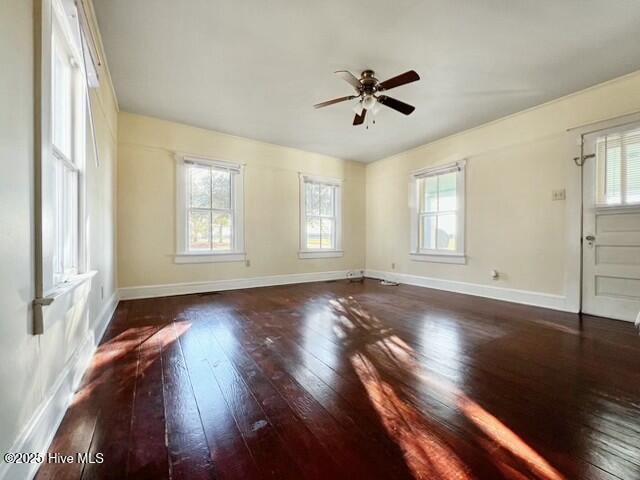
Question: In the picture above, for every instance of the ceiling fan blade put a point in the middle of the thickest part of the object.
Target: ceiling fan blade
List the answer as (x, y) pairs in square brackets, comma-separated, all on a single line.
[(402, 79), (396, 104), (335, 100), (359, 119), (350, 78)]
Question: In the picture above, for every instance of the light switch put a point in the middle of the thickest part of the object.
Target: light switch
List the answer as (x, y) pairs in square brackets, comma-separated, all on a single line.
[(559, 194)]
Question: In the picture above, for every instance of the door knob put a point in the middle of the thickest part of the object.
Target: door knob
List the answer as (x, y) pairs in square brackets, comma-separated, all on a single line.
[(590, 238)]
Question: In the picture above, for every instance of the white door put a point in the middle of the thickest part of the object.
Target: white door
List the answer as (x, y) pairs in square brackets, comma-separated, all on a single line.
[(611, 228)]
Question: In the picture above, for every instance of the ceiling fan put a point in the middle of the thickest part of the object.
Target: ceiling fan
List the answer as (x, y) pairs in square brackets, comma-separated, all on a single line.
[(367, 88)]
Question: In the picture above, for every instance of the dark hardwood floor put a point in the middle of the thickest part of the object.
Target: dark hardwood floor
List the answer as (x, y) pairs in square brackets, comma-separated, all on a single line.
[(358, 381)]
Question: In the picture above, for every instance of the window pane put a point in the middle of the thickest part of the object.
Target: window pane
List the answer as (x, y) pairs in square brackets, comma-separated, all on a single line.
[(58, 258), (199, 230), (613, 174), (447, 195), (312, 198), (222, 231), (221, 188), (326, 200), (430, 194), (428, 232), (328, 228), (313, 233), (61, 93), (446, 232), (200, 187), (70, 223)]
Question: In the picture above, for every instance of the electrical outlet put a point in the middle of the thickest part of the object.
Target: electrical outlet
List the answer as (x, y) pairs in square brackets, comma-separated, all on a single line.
[(393, 266), (559, 194), (247, 263)]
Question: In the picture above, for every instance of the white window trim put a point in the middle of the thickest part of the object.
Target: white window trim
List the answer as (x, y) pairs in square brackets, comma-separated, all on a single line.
[(56, 18), (308, 253), (183, 255), (431, 255)]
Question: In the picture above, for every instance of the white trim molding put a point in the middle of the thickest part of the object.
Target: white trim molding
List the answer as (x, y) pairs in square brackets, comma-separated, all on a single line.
[(167, 290), (525, 297), (43, 425), (303, 254), (455, 258), (194, 257)]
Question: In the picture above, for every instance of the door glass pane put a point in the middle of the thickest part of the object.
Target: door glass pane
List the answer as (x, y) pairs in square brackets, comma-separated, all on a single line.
[(313, 233), (199, 230), (312, 198), (221, 189), (428, 232), (446, 233), (447, 195), (327, 233), (633, 172), (221, 231), (430, 194), (326, 200), (613, 183), (200, 187)]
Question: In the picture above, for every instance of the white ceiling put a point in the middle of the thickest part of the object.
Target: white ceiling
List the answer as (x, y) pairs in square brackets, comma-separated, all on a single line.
[(254, 68)]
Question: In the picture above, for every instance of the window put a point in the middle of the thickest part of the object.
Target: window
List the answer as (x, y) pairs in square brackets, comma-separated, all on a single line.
[(618, 166), (64, 152), (437, 214), (320, 217), (210, 214)]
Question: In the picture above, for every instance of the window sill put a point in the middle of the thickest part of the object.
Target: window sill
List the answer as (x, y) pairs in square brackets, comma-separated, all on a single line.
[(208, 257), (69, 300), (456, 258), (320, 254), (70, 285)]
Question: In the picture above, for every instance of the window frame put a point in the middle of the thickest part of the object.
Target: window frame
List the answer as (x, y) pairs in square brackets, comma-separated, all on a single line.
[(310, 253), (237, 251), (417, 253), (63, 225)]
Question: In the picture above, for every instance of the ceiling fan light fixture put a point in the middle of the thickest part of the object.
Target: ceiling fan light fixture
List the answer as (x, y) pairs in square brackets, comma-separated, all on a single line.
[(357, 108), (369, 101)]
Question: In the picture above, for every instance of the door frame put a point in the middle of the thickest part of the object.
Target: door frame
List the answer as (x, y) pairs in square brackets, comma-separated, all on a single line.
[(575, 262)]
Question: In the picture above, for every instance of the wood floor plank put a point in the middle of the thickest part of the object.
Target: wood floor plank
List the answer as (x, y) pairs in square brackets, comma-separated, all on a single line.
[(148, 455), (312, 456), (188, 448), (258, 433), (231, 457)]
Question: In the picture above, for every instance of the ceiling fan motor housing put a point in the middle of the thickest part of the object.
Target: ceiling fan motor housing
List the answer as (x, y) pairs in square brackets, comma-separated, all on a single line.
[(369, 82)]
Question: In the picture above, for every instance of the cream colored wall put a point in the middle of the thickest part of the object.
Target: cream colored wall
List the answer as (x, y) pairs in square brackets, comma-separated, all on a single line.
[(146, 204), (30, 365), (512, 224)]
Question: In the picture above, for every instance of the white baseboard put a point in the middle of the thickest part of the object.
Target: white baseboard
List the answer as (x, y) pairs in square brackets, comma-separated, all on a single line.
[(167, 290), (525, 297), (43, 425)]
